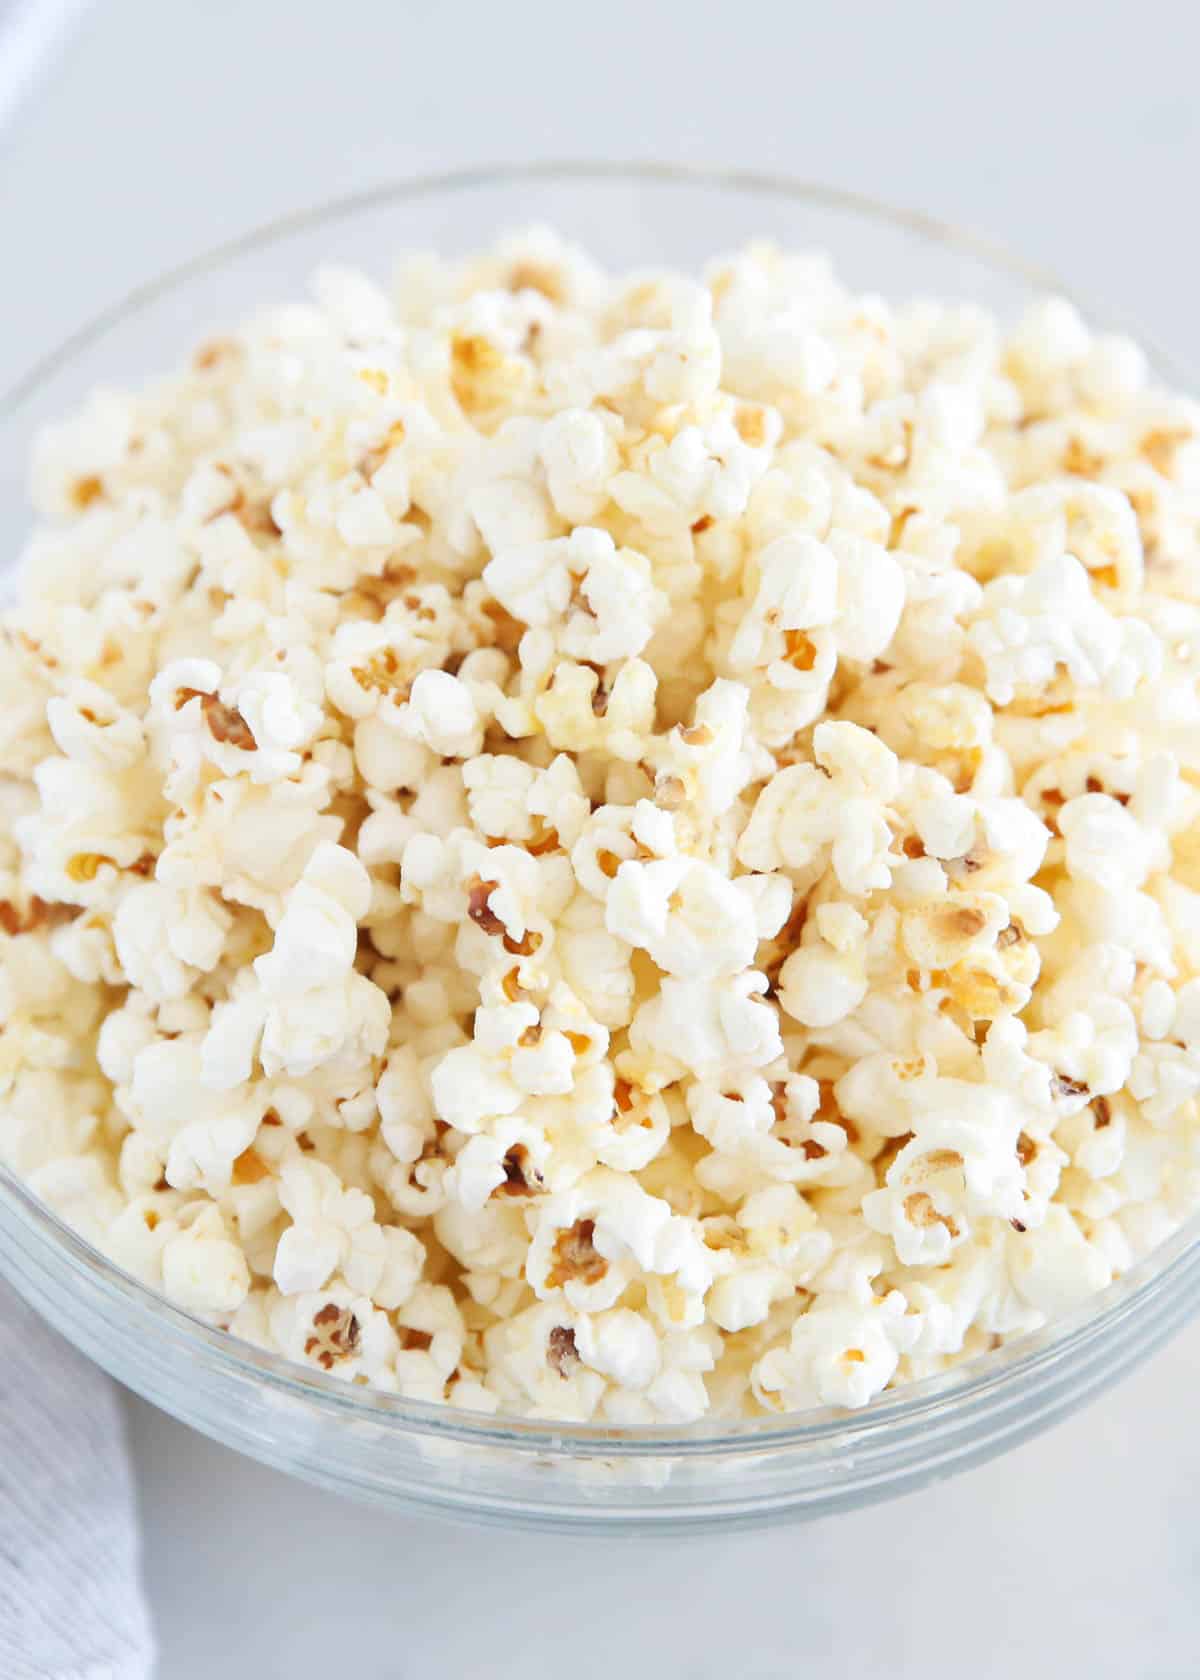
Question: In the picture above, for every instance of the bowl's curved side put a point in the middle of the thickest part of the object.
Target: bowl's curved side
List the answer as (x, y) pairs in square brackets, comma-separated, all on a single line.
[(433, 1460)]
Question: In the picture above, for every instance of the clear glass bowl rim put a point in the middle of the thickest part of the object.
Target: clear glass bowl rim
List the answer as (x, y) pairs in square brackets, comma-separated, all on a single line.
[(985, 1379)]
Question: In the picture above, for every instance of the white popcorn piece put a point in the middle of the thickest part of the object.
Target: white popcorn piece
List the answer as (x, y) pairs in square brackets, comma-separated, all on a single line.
[(334, 1230), (840, 1354), (203, 1270), (1106, 844), (441, 713), (315, 940), (590, 1242), (580, 457), (281, 720), (89, 726), (690, 918), (1054, 1267), (163, 941), (621, 1345), (618, 605), (1028, 627), (819, 985)]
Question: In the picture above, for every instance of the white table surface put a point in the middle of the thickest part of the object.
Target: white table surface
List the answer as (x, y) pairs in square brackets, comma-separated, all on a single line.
[(1070, 130), (1075, 1556)]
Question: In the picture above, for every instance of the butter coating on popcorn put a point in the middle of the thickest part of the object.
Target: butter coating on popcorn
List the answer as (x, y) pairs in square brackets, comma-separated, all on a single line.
[(612, 848)]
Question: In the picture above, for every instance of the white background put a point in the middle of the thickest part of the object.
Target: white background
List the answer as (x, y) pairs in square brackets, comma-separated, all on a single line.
[(1071, 131)]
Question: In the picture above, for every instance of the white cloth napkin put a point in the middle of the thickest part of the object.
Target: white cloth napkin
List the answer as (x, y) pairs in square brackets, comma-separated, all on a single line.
[(32, 33), (71, 1605)]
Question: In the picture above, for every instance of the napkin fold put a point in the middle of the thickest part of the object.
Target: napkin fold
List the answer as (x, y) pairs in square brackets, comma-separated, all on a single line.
[(71, 1604)]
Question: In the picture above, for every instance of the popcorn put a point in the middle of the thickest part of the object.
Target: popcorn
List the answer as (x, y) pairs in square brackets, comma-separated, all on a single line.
[(335, 1331), (611, 848), (87, 725), (706, 1028), (800, 818), (691, 918), (870, 597), (202, 1270), (441, 713), (962, 1162), (820, 985), (1055, 1268), (163, 941), (334, 1229), (1106, 844), (840, 1354), (469, 1089), (618, 605), (593, 1240), (798, 590), (580, 457), (621, 1345), (1028, 627), (280, 719)]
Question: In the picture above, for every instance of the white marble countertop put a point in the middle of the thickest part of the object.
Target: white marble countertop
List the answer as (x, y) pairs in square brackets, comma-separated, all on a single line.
[(1073, 133)]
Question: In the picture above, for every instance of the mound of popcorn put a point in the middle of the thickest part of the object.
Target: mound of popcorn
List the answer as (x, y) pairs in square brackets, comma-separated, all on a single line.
[(612, 847)]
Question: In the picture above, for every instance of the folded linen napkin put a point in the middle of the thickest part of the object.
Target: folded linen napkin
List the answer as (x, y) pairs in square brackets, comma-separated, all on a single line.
[(32, 33), (71, 1606)]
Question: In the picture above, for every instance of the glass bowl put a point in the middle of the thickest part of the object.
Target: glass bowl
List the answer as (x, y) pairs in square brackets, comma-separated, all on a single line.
[(436, 1459)]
